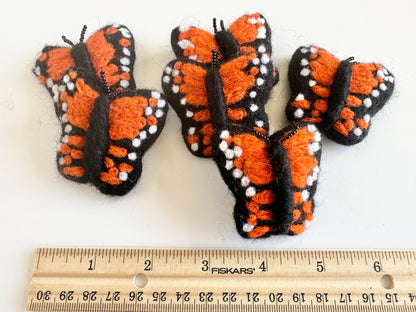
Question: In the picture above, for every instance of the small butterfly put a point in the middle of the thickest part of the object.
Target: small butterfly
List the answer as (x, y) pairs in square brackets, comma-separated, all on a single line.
[(107, 125), (340, 97), (218, 86)]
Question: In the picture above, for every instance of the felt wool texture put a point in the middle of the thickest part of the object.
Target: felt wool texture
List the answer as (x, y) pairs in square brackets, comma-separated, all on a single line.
[(107, 125), (340, 97), (218, 86)]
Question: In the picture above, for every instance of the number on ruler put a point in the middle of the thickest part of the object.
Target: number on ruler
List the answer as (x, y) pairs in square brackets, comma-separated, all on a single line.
[(43, 295), (253, 297), (345, 298), (91, 267), (89, 295), (205, 265), (147, 265), (206, 297), (391, 298), (133, 296), (184, 295), (113, 296), (377, 266), (320, 267), (159, 296), (276, 297), (368, 298), (229, 297), (263, 267), (321, 297), (66, 295), (298, 297)]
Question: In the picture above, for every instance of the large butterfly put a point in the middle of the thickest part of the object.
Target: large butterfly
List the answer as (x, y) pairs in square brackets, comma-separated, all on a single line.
[(107, 125), (341, 97), (218, 86)]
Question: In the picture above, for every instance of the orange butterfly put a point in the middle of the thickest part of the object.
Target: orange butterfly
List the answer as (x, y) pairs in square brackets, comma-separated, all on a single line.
[(218, 86), (339, 96), (107, 125)]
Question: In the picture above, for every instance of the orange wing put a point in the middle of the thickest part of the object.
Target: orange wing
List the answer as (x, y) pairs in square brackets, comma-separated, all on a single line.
[(253, 34), (243, 160), (296, 154), (339, 96), (74, 100), (184, 85), (370, 86), (193, 43), (136, 119), (75, 106), (311, 74), (112, 49), (247, 81), (50, 68)]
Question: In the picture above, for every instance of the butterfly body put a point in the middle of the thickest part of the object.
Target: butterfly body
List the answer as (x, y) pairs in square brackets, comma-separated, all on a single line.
[(107, 124)]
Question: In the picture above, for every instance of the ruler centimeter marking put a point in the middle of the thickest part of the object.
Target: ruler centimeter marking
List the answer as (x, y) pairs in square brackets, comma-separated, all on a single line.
[(221, 280)]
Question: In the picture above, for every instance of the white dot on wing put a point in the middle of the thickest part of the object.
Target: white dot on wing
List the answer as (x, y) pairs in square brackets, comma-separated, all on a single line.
[(367, 102), (124, 83), (298, 113), (136, 142), (125, 61), (305, 72), (126, 51), (261, 49), (251, 191), (247, 227), (148, 111), (161, 103), (159, 113), (155, 94), (143, 135), (123, 176), (132, 156)]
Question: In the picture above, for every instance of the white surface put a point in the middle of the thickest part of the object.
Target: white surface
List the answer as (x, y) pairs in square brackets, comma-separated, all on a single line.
[(366, 193)]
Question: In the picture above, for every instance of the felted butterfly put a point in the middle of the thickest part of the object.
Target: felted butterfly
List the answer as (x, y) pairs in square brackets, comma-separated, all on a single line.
[(340, 97), (107, 125), (218, 86)]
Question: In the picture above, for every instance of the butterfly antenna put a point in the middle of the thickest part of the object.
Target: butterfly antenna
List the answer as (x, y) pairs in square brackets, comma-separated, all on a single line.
[(66, 40), (107, 88), (84, 29), (290, 134), (214, 24), (222, 25), (215, 58), (351, 60)]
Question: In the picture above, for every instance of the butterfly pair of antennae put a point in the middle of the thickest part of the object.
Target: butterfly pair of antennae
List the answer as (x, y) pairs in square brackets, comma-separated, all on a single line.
[(214, 24), (81, 38)]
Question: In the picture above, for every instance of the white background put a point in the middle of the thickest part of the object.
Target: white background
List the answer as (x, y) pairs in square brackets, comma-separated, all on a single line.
[(366, 193)]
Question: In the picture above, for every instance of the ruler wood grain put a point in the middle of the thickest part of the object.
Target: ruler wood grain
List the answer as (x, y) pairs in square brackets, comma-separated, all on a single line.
[(222, 280)]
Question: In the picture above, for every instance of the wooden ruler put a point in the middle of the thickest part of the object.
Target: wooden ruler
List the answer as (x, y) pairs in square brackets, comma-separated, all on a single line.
[(222, 280)]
